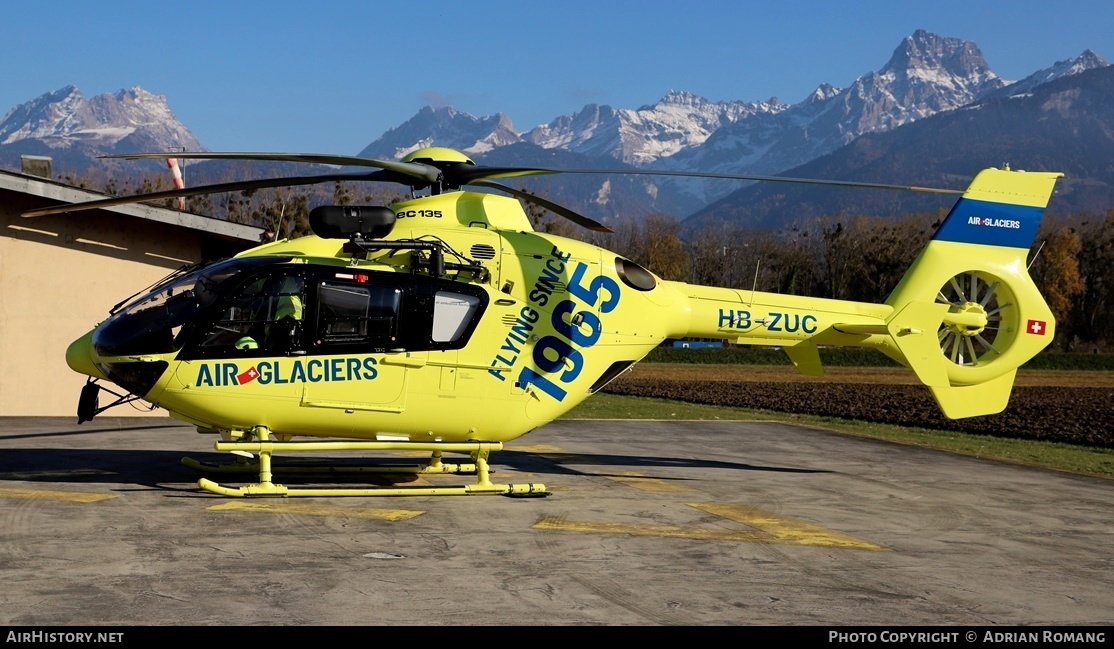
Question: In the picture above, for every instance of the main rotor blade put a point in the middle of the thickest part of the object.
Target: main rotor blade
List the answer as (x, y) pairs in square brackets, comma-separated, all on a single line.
[(422, 172), (242, 185), (468, 174), (578, 219)]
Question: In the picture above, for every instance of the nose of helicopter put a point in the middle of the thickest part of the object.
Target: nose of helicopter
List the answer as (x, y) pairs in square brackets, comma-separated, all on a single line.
[(79, 356)]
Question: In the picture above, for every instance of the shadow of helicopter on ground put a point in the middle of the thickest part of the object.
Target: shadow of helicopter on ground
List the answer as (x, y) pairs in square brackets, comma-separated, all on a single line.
[(149, 469)]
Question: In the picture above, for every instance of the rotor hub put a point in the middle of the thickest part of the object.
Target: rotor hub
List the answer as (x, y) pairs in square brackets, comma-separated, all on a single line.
[(967, 319), (438, 156)]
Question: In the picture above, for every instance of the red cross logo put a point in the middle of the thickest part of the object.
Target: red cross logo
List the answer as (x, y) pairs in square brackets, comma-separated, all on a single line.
[(247, 376), (1036, 327)]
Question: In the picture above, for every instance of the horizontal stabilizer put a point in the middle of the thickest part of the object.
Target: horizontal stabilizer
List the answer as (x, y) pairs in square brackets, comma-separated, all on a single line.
[(806, 358), (914, 330), (975, 400)]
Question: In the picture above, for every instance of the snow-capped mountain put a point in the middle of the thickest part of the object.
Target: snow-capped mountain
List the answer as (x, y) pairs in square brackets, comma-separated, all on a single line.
[(444, 126), (681, 120), (1062, 125), (128, 120), (640, 136), (926, 74), (1088, 60)]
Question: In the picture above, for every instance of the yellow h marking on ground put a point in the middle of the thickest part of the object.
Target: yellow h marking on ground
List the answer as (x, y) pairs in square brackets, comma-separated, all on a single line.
[(316, 510), (534, 448), (772, 529), (555, 523), (44, 494), (787, 530)]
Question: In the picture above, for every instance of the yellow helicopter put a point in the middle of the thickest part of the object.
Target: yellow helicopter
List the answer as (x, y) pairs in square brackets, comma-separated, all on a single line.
[(447, 324)]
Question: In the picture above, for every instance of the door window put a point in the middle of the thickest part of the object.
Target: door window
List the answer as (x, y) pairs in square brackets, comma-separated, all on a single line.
[(358, 314)]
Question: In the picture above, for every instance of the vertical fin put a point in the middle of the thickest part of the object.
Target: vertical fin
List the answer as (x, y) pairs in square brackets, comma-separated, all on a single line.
[(967, 314)]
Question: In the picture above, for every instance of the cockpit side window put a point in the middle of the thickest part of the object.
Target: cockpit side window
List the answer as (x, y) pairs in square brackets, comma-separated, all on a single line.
[(265, 317)]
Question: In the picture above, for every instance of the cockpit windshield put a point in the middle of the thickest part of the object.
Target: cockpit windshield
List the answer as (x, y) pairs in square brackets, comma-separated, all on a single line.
[(151, 324)]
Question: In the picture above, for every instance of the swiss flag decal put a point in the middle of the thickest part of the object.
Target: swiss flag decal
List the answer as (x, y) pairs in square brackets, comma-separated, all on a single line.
[(247, 376), (1034, 327)]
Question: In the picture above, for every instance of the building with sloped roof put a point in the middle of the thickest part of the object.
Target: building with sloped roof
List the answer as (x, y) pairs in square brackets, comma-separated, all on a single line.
[(60, 275)]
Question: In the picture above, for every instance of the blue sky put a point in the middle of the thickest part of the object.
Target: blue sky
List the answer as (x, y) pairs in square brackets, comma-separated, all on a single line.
[(330, 77)]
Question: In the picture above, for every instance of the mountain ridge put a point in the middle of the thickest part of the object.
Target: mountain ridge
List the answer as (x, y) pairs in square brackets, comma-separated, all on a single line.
[(1062, 125), (926, 75)]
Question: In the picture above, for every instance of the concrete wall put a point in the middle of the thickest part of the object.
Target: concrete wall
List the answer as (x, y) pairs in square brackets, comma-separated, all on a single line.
[(59, 276)]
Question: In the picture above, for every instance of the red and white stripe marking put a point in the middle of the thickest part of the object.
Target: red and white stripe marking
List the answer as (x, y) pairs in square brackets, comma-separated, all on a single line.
[(176, 171)]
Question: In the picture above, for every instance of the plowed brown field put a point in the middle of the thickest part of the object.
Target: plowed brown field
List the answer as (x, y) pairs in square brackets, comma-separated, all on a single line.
[(1048, 405)]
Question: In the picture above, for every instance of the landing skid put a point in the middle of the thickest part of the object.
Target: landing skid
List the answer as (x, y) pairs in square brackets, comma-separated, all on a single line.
[(264, 449)]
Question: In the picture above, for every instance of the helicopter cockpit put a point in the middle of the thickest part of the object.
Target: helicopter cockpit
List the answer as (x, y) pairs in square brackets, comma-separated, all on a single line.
[(266, 306), (153, 323), (157, 322)]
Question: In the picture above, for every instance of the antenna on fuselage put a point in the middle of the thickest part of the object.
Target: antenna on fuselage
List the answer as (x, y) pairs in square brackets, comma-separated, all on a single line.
[(754, 286)]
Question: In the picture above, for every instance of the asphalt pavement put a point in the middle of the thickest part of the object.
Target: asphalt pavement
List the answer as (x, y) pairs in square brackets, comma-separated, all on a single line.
[(646, 523)]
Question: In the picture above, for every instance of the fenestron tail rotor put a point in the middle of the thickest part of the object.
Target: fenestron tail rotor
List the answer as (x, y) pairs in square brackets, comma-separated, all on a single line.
[(972, 342)]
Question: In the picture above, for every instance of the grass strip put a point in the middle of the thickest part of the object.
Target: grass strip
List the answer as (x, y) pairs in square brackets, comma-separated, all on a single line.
[(1048, 455)]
